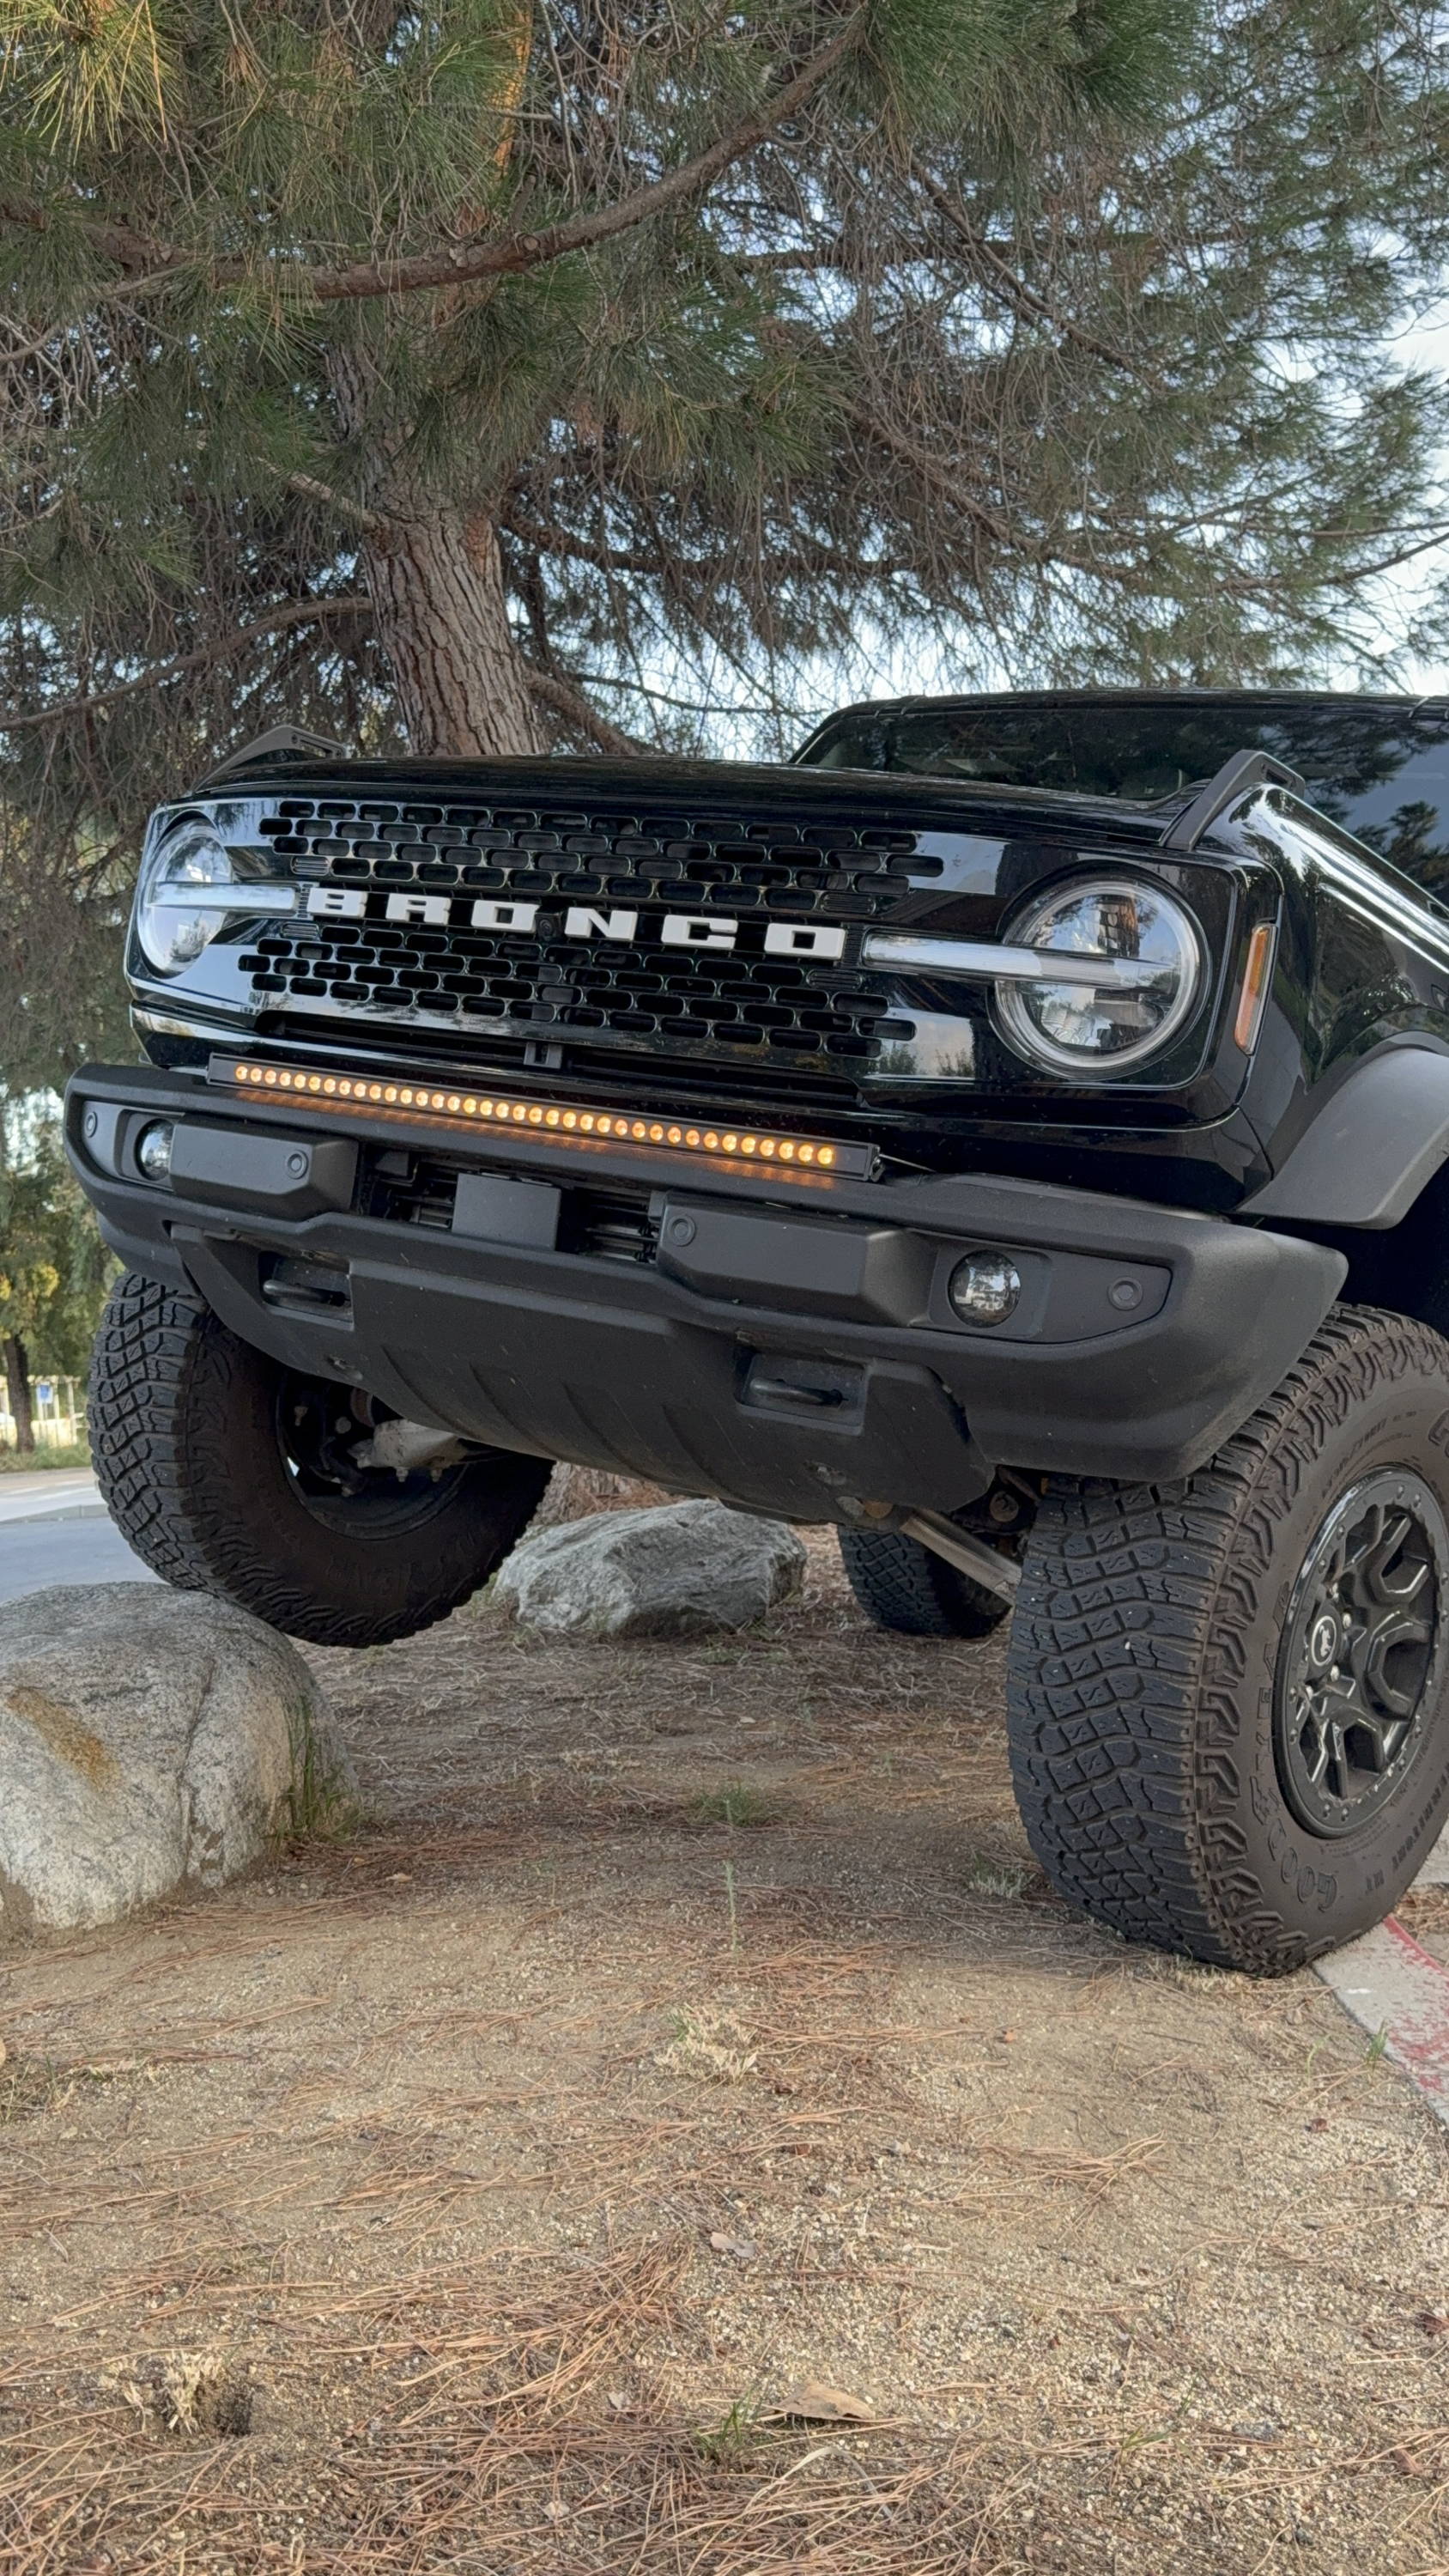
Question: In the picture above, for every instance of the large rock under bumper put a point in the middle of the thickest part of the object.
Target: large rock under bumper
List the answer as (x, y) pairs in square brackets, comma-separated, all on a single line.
[(679, 1571)]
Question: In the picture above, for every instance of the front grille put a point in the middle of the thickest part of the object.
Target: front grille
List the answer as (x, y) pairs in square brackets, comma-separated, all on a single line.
[(747, 1003)]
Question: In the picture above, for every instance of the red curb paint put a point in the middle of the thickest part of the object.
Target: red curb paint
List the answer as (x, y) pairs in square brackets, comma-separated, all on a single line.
[(1389, 1982)]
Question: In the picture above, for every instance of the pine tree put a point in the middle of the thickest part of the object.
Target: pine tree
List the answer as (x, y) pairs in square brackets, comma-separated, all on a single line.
[(507, 372), (53, 1267)]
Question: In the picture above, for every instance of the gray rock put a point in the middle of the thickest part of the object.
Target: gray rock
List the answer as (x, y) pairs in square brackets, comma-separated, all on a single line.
[(149, 1738), (677, 1571)]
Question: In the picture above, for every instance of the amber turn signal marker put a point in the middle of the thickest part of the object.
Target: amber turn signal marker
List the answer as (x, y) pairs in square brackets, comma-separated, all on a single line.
[(1253, 997), (566, 1120)]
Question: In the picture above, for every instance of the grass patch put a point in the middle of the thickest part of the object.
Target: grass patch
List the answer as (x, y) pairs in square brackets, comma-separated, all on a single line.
[(20, 1462), (1425, 1909), (997, 1878), (27, 2085), (734, 1805), (712, 2046), (1194, 1974), (186, 2392), (730, 2444), (30, 2086), (322, 1803)]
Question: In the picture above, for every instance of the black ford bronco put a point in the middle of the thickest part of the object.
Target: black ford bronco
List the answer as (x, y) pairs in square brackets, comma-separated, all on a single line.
[(1014, 1132)]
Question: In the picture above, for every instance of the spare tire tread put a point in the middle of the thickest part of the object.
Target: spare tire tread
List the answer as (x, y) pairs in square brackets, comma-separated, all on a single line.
[(903, 1586)]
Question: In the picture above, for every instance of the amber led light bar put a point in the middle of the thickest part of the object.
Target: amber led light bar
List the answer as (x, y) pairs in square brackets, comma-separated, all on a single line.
[(566, 1119)]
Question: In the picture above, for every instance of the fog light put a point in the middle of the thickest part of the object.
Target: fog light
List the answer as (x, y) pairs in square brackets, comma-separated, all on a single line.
[(984, 1288), (153, 1151)]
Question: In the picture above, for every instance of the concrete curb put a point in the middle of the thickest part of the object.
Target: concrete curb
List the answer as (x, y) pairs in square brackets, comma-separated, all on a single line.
[(77, 1502), (1387, 1982), (1391, 1986)]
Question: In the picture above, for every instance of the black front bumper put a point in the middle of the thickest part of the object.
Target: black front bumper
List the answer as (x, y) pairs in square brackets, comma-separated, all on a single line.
[(787, 1343)]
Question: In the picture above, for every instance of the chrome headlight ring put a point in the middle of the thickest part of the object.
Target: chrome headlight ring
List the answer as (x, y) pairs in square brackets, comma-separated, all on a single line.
[(189, 890), (1085, 1028)]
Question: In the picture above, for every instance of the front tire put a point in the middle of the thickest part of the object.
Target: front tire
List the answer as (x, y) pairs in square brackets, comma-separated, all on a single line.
[(229, 1474), (1228, 1699)]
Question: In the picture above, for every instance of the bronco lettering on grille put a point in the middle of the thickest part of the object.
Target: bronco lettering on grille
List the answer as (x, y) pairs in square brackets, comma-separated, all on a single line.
[(705, 930)]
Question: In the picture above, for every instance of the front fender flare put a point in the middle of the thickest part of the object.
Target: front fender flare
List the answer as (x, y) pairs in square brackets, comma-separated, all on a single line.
[(1367, 1153)]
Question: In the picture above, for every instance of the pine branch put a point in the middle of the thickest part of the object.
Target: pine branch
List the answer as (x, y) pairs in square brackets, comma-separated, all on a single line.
[(1014, 290), (121, 244), (453, 264), (297, 612), (371, 522), (1047, 557), (806, 558), (1386, 563), (122, 291), (788, 262), (550, 690), (701, 706), (562, 700), (572, 549)]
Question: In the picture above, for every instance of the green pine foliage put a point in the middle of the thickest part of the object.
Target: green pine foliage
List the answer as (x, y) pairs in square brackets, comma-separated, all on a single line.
[(1022, 341), (54, 1270)]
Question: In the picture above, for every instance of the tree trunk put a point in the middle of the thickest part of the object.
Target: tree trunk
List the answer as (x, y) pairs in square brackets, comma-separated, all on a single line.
[(442, 619), (435, 579), (17, 1383)]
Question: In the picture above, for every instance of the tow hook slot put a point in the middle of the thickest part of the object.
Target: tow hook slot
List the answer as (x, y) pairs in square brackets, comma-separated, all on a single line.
[(305, 1287), (823, 1391)]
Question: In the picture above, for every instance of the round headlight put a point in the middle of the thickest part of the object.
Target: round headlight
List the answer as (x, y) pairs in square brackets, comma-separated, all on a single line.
[(1086, 1028), (171, 931)]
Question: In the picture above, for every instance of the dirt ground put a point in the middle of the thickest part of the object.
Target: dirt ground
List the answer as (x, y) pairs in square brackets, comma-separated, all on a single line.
[(687, 2037)]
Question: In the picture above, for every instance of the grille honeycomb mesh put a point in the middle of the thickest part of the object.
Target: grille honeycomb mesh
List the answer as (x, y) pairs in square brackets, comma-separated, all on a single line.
[(547, 986)]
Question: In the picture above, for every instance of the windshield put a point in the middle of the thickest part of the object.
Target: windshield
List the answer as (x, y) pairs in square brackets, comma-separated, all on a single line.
[(1380, 767)]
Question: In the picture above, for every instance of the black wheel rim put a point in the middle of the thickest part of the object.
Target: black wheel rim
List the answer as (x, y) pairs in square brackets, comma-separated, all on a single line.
[(1359, 1674), (320, 1430)]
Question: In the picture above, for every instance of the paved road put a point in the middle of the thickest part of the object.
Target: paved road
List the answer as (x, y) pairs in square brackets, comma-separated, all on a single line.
[(53, 1529), (48, 1490)]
